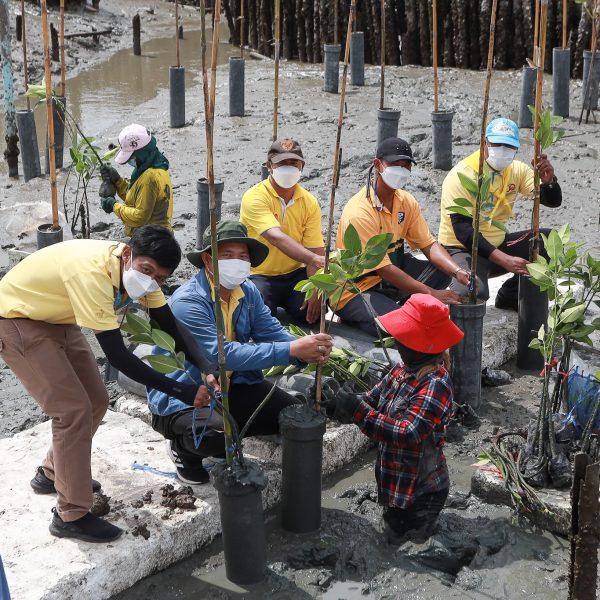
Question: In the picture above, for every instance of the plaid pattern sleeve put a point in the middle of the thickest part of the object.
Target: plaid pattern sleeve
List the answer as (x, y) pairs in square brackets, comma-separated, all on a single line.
[(408, 412)]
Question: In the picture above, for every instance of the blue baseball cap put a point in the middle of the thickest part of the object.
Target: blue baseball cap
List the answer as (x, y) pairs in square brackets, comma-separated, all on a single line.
[(503, 131)]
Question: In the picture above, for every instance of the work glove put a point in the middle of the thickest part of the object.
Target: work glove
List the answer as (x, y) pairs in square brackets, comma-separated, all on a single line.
[(346, 404), (107, 204), (328, 394), (109, 173), (107, 189)]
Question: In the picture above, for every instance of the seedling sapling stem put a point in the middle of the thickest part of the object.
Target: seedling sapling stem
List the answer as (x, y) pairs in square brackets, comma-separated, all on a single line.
[(334, 179), (277, 48)]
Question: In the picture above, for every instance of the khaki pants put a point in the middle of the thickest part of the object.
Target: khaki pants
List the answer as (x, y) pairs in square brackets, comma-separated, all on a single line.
[(57, 367)]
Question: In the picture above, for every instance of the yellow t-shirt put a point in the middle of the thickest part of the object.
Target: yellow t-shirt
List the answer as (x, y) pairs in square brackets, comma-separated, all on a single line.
[(517, 178), (148, 201), (262, 209), (370, 218), (69, 283), (228, 308)]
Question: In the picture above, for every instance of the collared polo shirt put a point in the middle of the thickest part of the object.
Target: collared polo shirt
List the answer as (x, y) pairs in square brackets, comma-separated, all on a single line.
[(370, 218), (261, 209), (516, 179), (228, 308), (70, 283)]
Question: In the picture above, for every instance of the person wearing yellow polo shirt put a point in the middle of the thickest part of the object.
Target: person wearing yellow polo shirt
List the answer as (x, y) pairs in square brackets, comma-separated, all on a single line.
[(498, 252), (255, 340), (44, 301), (287, 219), (148, 195), (384, 206)]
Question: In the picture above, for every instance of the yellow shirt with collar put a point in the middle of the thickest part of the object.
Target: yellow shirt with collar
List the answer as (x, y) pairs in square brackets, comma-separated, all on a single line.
[(70, 283), (261, 209), (517, 178), (370, 218), (228, 307)]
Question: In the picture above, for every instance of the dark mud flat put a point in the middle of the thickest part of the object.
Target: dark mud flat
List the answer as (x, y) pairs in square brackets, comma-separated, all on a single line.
[(478, 551)]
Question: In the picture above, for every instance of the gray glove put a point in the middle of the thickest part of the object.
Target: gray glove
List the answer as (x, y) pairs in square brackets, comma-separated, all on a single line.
[(109, 173), (327, 397), (346, 404), (107, 189)]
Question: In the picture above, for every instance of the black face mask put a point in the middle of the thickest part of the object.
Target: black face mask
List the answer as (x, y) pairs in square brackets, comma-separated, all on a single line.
[(414, 360)]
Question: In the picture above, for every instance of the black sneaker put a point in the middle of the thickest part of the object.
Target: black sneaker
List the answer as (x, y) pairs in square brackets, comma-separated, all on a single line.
[(42, 485), (506, 303), (88, 529), (196, 475)]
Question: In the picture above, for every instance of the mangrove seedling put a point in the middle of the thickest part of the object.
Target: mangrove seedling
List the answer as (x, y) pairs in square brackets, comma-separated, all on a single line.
[(566, 324), (345, 267)]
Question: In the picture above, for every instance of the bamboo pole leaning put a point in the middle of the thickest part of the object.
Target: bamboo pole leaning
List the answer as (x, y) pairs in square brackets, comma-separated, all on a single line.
[(539, 86), (593, 48), (484, 115), (50, 113), (242, 28), (565, 18), (435, 57), (25, 67), (382, 79), (63, 68), (177, 33), (277, 50), (209, 121), (536, 31), (334, 180)]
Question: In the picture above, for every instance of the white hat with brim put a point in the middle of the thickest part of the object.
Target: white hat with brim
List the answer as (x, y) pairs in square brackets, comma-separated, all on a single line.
[(132, 138)]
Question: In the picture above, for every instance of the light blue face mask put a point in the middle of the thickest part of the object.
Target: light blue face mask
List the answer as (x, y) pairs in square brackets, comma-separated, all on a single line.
[(131, 162)]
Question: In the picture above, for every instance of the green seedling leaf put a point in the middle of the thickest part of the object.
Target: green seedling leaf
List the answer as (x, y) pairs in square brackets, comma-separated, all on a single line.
[(163, 340), (570, 315), (352, 240), (459, 210), (181, 360), (290, 369), (161, 363), (299, 287), (141, 338), (463, 202), (325, 282), (469, 184), (137, 325), (109, 155), (499, 224), (553, 245)]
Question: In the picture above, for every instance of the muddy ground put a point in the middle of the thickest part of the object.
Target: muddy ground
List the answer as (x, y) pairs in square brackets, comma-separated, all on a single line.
[(478, 552), (113, 89)]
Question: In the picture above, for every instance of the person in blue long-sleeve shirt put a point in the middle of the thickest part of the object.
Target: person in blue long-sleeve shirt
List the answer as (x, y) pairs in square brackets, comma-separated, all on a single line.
[(255, 340)]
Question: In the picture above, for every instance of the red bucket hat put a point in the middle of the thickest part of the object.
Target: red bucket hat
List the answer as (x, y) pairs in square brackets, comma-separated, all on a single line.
[(422, 324)]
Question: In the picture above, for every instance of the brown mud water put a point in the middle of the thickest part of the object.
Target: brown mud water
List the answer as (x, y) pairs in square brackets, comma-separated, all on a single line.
[(302, 430), (242, 520)]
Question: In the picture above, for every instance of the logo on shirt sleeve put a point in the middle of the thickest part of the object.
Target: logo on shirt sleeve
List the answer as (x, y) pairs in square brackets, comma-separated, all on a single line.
[(400, 217)]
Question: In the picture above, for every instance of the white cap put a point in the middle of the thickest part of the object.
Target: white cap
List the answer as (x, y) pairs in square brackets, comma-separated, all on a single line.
[(132, 138)]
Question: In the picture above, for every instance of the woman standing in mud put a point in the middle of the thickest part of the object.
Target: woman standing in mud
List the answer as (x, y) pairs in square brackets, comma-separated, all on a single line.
[(148, 195), (407, 413)]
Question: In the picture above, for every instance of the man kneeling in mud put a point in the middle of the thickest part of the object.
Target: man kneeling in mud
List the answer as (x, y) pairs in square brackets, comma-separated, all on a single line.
[(407, 413), (255, 340)]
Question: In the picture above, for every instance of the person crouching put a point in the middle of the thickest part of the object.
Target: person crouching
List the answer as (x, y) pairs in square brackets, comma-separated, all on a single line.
[(407, 413)]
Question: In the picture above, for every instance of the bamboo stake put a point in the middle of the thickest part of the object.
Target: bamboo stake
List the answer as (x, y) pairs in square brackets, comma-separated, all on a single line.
[(382, 82), (565, 16), (62, 50), (593, 48), (435, 62), (536, 29), (242, 28), (334, 180), (486, 102), (277, 51), (177, 32), (209, 121), (536, 124), (25, 69), (51, 150), (336, 18)]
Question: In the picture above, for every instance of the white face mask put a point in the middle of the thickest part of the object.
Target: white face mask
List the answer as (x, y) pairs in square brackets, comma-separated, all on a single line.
[(233, 272), (499, 157), (395, 177), (138, 284), (286, 176)]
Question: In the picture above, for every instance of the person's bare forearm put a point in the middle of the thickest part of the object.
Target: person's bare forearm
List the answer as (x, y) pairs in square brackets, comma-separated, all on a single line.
[(438, 256)]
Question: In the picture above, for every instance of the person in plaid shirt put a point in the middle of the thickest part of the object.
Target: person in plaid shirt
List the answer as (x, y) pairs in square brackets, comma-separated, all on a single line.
[(407, 413)]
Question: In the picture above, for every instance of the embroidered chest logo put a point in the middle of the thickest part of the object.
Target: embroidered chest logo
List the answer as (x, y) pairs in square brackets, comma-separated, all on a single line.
[(511, 188), (401, 217)]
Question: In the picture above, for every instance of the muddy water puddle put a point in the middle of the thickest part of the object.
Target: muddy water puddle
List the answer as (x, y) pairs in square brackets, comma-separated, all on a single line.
[(477, 553), (109, 92)]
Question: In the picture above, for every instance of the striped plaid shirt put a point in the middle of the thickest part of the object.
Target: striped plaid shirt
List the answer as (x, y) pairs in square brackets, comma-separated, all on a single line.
[(400, 413)]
